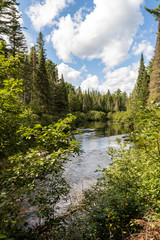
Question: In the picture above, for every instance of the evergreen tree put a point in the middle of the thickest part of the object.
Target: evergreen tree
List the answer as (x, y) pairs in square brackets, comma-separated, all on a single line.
[(25, 73), (142, 91), (150, 66), (154, 86), (5, 6), (52, 71), (79, 97), (41, 94), (108, 102), (33, 62), (63, 107), (124, 101), (16, 38), (72, 100)]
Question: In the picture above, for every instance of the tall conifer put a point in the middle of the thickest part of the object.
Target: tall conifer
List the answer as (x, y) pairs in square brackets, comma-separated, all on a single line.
[(16, 37), (41, 93), (154, 86), (141, 89), (5, 6)]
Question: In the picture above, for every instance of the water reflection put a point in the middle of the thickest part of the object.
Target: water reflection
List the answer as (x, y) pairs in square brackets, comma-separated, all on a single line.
[(103, 129), (95, 140)]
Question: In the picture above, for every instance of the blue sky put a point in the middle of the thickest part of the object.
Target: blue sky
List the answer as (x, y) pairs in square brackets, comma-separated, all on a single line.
[(96, 44)]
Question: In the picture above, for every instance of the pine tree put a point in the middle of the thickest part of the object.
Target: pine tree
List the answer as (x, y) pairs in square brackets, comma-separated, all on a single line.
[(41, 94), (154, 86), (25, 73), (5, 6), (63, 96), (16, 38), (141, 91), (52, 71), (79, 97), (33, 62), (10, 27), (72, 100), (108, 102)]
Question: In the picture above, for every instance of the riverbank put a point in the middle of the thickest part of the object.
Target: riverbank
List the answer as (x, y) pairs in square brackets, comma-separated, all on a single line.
[(124, 204)]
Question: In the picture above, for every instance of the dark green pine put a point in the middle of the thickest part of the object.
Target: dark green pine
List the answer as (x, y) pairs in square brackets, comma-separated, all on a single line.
[(41, 85), (142, 84), (16, 37)]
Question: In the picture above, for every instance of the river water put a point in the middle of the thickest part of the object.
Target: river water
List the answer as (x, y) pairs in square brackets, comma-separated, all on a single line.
[(96, 138)]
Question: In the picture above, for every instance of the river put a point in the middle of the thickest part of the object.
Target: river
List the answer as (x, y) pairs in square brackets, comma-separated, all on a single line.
[(95, 140)]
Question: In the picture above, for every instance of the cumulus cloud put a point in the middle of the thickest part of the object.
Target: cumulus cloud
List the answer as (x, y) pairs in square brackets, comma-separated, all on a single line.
[(91, 83), (144, 47), (123, 78), (70, 75), (106, 33), (42, 15), (63, 38)]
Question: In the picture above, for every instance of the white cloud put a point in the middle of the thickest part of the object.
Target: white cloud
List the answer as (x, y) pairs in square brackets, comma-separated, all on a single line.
[(84, 68), (123, 78), (144, 47), (42, 15), (48, 38), (63, 38), (70, 75), (106, 33), (91, 83), (29, 39)]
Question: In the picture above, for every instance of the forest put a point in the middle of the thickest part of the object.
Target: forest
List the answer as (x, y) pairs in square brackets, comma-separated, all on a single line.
[(39, 114)]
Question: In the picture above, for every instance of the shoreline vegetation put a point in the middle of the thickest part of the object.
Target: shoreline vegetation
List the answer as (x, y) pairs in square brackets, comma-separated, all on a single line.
[(35, 145)]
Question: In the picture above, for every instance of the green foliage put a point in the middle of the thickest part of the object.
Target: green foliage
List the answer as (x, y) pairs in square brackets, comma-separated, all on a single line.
[(5, 6), (129, 187), (42, 93), (96, 116), (8, 66), (17, 40), (32, 158), (90, 116), (155, 12), (141, 88), (123, 117), (35, 178), (13, 113)]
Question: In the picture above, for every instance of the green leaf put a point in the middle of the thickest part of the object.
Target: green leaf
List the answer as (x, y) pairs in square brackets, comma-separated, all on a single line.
[(2, 236)]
